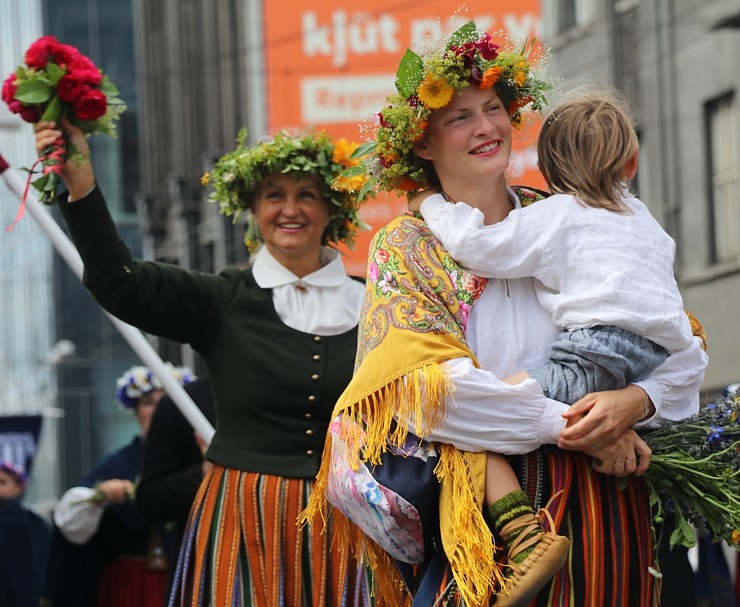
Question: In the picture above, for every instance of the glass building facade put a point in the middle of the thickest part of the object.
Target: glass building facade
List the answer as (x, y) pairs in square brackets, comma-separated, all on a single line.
[(93, 425), (27, 336), (59, 353)]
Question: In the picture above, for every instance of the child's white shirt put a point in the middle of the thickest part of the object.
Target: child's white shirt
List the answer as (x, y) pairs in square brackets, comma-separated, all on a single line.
[(509, 330), (593, 266)]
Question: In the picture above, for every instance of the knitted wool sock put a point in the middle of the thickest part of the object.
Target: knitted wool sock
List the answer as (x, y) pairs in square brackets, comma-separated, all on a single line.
[(505, 510)]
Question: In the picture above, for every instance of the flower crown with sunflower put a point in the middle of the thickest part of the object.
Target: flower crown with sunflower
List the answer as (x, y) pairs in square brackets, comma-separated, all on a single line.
[(427, 83), (139, 381), (237, 175)]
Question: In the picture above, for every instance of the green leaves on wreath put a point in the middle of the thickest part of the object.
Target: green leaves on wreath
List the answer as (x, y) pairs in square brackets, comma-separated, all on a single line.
[(410, 73), (363, 150), (467, 33)]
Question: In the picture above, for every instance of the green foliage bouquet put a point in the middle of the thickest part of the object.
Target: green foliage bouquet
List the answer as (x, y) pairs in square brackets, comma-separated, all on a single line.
[(695, 473), (57, 81)]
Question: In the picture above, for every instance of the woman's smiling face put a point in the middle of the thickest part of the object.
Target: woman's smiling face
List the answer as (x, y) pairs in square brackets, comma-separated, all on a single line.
[(291, 216), (468, 139)]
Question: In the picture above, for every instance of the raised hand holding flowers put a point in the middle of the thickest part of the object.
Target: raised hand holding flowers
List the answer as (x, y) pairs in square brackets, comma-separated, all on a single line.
[(57, 82)]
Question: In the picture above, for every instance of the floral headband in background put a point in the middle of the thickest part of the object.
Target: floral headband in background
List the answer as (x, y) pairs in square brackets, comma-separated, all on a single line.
[(237, 175), (428, 82), (139, 381), (17, 471)]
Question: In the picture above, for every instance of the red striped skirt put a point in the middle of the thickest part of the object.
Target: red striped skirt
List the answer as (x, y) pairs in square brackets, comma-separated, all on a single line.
[(242, 547), (609, 529)]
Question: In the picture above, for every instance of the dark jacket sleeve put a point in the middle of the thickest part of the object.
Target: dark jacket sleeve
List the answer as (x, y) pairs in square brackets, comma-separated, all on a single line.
[(159, 298), (172, 464)]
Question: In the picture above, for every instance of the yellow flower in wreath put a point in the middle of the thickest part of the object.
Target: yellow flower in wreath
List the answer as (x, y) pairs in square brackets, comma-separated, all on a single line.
[(435, 92)]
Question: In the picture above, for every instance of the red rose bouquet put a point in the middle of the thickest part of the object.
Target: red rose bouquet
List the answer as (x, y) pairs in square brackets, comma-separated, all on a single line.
[(57, 81)]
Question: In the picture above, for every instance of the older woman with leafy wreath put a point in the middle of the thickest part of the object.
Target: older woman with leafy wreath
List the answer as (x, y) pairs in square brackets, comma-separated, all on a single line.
[(279, 341), (434, 341)]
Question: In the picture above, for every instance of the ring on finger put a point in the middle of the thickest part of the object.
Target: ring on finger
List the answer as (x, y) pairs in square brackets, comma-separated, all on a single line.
[(619, 463), (630, 459)]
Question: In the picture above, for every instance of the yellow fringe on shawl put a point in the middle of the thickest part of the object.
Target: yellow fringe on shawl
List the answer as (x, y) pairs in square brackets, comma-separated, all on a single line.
[(399, 385), (466, 537)]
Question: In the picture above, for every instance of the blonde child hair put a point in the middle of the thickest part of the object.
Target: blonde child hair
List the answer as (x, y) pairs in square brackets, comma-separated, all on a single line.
[(588, 148)]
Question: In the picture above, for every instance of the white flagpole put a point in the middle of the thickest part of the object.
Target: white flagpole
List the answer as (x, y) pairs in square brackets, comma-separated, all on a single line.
[(133, 336)]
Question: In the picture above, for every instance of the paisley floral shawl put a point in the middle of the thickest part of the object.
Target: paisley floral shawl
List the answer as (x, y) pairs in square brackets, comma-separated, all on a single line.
[(414, 315)]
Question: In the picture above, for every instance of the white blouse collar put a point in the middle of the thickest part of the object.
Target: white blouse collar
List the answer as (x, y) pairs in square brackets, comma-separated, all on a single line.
[(269, 273)]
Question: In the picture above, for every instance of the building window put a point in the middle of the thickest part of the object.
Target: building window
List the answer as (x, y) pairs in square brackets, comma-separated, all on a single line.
[(566, 15), (724, 173), (561, 16)]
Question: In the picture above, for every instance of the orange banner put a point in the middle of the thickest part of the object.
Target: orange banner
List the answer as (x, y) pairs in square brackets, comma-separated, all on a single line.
[(331, 64)]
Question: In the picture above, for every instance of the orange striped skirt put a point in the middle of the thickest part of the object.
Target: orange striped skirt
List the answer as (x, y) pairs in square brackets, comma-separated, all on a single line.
[(242, 548)]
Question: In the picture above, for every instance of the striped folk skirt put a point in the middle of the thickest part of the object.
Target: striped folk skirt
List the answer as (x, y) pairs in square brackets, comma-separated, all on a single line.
[(609, 529), (242, 547)]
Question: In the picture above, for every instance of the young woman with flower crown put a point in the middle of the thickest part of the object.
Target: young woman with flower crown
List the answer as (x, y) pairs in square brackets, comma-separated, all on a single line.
[(434, 340), (279, 340)]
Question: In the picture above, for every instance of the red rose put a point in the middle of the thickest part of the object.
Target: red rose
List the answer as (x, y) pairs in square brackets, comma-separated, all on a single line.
[(64, 54), (30, 114), (91, 105), (81, 62), (9, 89), (70, 88), (38, 53), (84, 72), (15, 106)]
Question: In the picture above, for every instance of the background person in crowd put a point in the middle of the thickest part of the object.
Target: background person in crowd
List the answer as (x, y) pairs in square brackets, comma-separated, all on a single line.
[(24, 541), (432, 367), (104, 553), (172, 467), (279, 341)]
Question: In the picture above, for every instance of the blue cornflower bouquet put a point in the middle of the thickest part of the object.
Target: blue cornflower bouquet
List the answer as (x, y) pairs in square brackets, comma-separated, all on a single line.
[(695, 473)]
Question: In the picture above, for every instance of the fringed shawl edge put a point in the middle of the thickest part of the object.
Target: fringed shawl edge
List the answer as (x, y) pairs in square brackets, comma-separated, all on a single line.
[(467, 540)]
